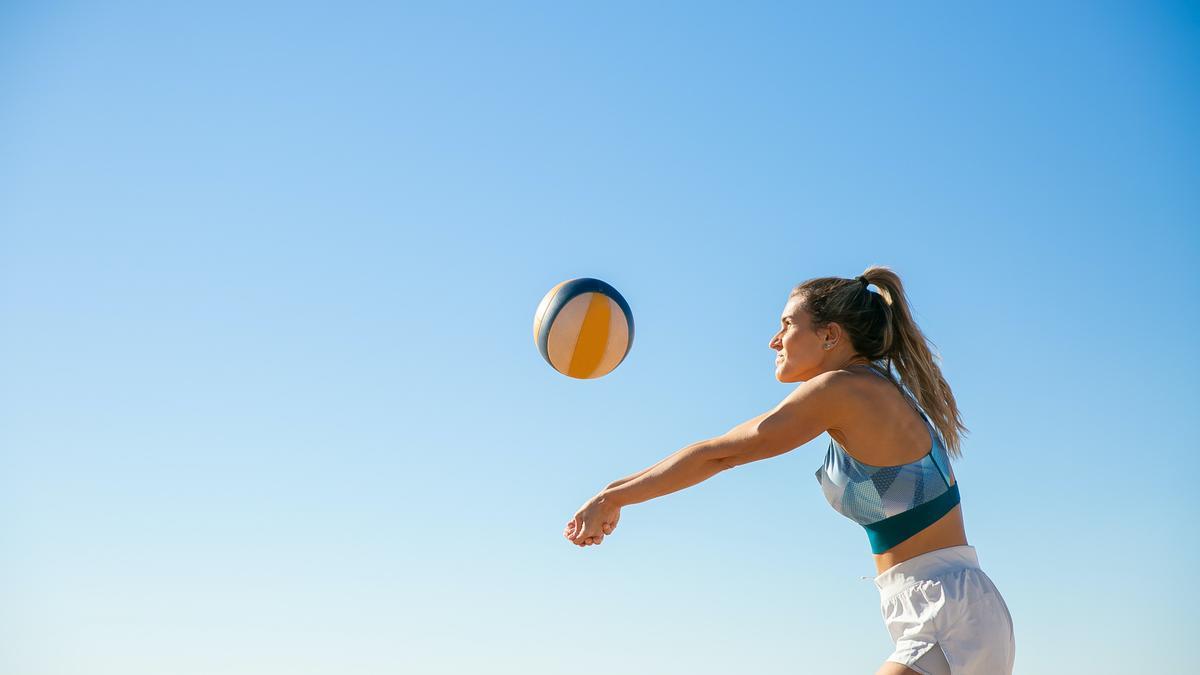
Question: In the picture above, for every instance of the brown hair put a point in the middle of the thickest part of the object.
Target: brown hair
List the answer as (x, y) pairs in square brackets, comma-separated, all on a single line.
[(881, 328)]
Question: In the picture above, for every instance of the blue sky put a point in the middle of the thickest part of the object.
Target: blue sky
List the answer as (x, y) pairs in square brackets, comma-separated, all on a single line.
[(269, 401)]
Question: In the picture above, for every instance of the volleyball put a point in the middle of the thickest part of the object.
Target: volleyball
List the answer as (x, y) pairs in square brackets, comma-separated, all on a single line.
[(583, 328)]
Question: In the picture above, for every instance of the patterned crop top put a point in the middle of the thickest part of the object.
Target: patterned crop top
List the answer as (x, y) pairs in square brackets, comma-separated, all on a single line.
[(892, 503)]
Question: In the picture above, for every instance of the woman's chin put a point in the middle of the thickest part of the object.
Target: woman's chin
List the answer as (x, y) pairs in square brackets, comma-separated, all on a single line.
[(786, 376)]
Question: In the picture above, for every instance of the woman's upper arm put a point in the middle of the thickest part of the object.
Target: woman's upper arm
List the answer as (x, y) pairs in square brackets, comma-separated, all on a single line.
[(811, 408)]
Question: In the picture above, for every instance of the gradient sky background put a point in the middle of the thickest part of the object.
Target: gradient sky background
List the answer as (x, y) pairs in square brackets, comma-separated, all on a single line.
[(269, 402)]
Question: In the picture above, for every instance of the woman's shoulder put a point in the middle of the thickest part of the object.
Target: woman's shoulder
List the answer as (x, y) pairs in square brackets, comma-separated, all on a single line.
[(849, 394), (879, 425), (856, 382)]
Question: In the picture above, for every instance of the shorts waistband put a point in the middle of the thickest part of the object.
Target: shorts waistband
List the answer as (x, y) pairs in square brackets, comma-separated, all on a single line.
[(925, 566)]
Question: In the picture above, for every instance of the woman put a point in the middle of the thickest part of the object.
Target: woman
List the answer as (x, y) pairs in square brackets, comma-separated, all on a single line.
[(887, 468)]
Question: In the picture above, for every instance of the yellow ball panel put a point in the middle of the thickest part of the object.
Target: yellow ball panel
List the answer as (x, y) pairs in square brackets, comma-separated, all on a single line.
[(593, 337), (618, 340)]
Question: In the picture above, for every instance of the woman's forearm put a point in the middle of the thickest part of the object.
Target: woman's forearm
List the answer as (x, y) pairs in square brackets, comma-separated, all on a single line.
[(622, 481), (687, 467)]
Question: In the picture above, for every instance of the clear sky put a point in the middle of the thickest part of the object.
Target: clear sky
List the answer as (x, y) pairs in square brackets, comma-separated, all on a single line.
[(269, 402)]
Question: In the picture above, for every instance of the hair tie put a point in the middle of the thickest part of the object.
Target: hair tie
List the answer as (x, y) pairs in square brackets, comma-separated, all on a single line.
[(864, 281)]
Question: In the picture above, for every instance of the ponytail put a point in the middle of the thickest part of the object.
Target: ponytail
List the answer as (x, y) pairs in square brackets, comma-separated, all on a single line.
[(908, 351)]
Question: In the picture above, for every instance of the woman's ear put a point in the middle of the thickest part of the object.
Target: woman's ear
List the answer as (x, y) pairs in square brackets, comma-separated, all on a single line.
[(832, 333)]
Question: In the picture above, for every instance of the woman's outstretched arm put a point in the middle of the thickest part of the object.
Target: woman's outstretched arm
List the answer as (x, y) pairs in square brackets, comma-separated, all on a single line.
[(807, 411), (687, 467), (599, 516), (799, 418)]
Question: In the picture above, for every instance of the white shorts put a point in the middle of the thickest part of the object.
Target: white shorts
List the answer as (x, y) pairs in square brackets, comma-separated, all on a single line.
[(946, 616)]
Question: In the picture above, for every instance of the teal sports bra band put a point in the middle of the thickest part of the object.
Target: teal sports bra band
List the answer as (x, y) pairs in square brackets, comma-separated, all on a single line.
[(885, 534), (892, 503)]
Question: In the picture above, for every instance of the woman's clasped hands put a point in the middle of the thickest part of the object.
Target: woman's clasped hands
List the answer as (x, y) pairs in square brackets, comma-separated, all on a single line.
[(595, 519)]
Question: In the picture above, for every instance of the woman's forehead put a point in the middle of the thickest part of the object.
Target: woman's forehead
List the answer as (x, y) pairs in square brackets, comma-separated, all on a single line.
[(794, 309)]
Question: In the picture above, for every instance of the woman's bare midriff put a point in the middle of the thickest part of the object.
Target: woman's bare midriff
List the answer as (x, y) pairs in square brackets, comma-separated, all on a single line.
[(945, 532)]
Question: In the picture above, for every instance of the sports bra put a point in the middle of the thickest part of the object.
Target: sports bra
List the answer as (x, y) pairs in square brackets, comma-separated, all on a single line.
[(892, 503)]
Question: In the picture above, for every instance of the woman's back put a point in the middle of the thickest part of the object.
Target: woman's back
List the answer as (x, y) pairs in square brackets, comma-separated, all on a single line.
[(887, 466), (887, 429)]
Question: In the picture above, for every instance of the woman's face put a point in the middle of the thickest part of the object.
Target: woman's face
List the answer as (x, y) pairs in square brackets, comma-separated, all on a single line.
[(800, 348)]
